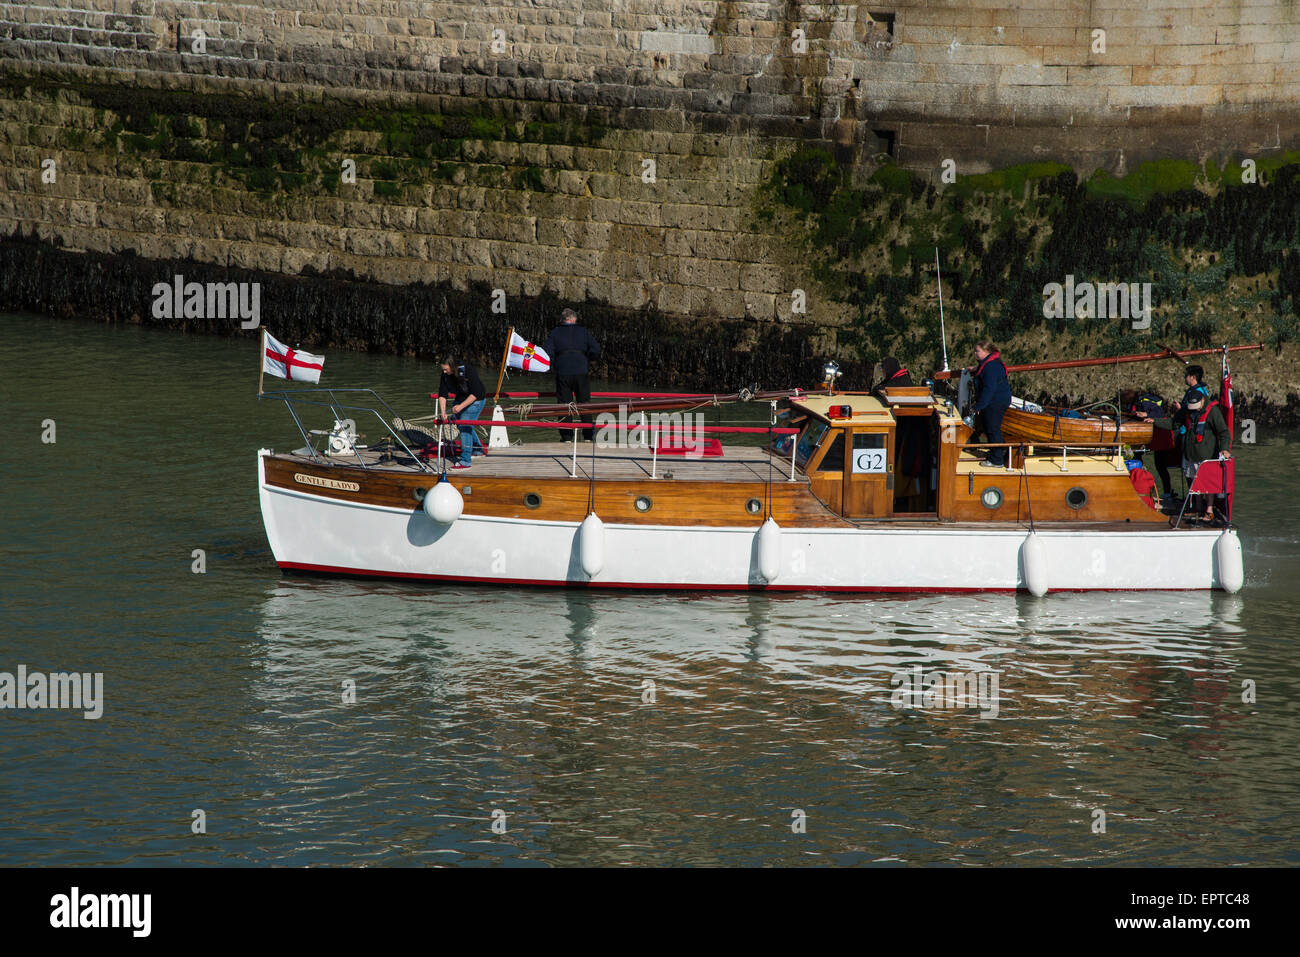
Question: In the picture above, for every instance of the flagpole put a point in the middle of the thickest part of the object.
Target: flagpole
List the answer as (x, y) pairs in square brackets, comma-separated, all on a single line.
[(496, 398), (261, 365)]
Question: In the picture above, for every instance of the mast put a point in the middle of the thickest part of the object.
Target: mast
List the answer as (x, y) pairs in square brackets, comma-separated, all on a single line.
[(943, 335), (1114, 360)]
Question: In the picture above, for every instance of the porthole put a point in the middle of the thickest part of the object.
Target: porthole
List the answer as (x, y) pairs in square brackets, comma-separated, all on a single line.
[(418, 494), (1076, 498), (753, 506), (643, 503), (991, 497), (532, 500)]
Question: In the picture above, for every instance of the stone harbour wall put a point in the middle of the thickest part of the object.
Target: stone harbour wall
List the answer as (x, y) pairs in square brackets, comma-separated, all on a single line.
[(589, 151)]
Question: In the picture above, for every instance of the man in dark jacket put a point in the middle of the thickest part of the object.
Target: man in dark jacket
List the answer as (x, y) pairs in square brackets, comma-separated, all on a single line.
[(1202, 436), (571, 347), (994, 400)]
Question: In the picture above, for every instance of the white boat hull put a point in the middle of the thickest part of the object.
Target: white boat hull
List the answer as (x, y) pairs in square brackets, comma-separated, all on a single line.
[(314, 533)]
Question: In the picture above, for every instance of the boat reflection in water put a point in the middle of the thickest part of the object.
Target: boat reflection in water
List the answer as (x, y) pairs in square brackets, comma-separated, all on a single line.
[(848, 645), (536, 703)]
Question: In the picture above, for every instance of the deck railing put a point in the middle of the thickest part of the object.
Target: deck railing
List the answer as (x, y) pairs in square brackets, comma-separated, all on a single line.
[(654, 430), (329, 399)]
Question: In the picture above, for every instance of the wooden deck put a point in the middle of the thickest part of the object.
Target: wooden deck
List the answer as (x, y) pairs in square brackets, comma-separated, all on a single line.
[(555, 460)]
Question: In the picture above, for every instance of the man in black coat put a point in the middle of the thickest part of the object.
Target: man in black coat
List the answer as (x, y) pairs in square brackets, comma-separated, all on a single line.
[(571, 347)]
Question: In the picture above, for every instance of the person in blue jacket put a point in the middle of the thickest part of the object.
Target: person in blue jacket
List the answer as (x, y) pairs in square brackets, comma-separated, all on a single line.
[(993, 402)]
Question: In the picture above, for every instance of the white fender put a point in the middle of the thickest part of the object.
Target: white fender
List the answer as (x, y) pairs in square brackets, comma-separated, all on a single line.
[(443, 503), (591, 545), (769, 550), (1033, 555), (1227, 560)]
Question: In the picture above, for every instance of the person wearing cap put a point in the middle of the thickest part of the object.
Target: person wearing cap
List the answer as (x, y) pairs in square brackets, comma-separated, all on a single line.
[(1194, 376), (1202, 436)]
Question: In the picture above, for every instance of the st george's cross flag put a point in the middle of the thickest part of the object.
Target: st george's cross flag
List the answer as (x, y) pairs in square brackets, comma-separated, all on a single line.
[(524, 355), (279, 360)]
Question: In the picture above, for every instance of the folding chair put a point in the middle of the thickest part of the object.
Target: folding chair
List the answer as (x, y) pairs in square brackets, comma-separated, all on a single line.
[(1213, 477)]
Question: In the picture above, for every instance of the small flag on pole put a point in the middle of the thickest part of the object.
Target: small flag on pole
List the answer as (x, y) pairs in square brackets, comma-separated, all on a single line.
[(524, 355), (279, 360)]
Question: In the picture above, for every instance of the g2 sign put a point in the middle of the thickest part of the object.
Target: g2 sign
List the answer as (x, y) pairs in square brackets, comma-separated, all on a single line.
[(868, 461)]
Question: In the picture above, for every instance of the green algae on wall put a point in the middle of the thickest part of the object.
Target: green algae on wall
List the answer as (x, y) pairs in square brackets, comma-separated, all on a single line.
[(283, 148), (1216, 250)]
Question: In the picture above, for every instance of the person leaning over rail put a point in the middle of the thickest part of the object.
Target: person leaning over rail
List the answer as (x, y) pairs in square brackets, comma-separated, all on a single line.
[(571, 347), (1148, 407), (993, 402), (461, 385)]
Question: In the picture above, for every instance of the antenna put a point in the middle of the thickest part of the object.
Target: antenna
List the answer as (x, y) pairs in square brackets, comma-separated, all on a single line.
[(943, 335)]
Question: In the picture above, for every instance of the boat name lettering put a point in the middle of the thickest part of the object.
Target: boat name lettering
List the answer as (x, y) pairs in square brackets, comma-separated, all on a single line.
[(335, 484)]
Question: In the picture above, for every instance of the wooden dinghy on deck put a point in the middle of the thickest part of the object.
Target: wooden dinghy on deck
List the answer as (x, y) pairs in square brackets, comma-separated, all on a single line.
[(1052, 426)]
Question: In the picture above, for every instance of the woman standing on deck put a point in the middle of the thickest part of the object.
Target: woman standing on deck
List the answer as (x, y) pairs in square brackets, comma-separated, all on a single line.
[(461, 385), (994, 400)]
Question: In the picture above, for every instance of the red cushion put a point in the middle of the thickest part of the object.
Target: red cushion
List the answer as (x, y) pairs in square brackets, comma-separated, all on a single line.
[(1144, 483), (671, 445)]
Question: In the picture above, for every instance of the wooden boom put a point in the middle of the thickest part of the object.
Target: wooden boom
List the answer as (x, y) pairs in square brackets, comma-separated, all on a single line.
[(1113, 360)]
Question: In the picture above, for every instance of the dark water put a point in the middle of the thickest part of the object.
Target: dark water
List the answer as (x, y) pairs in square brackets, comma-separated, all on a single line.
[(223, 691)]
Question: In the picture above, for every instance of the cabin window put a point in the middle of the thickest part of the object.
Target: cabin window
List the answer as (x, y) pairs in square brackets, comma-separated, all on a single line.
[(1076, 498), (642, 503), (532, 500), (753, 506), (809, 439), (833, 460)]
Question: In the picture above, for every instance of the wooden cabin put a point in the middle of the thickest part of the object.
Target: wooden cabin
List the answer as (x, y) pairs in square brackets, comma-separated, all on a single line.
[(848, 446)]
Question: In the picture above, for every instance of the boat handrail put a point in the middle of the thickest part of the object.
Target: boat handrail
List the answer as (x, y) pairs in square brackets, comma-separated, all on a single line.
[(629, 426), (316, 397), (1114, 447)]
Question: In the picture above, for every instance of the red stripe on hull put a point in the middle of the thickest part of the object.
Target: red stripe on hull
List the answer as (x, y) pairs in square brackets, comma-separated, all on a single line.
[(534, 582)]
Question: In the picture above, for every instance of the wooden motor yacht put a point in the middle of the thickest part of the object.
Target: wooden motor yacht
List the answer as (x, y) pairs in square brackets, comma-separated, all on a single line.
[(824, 503)]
